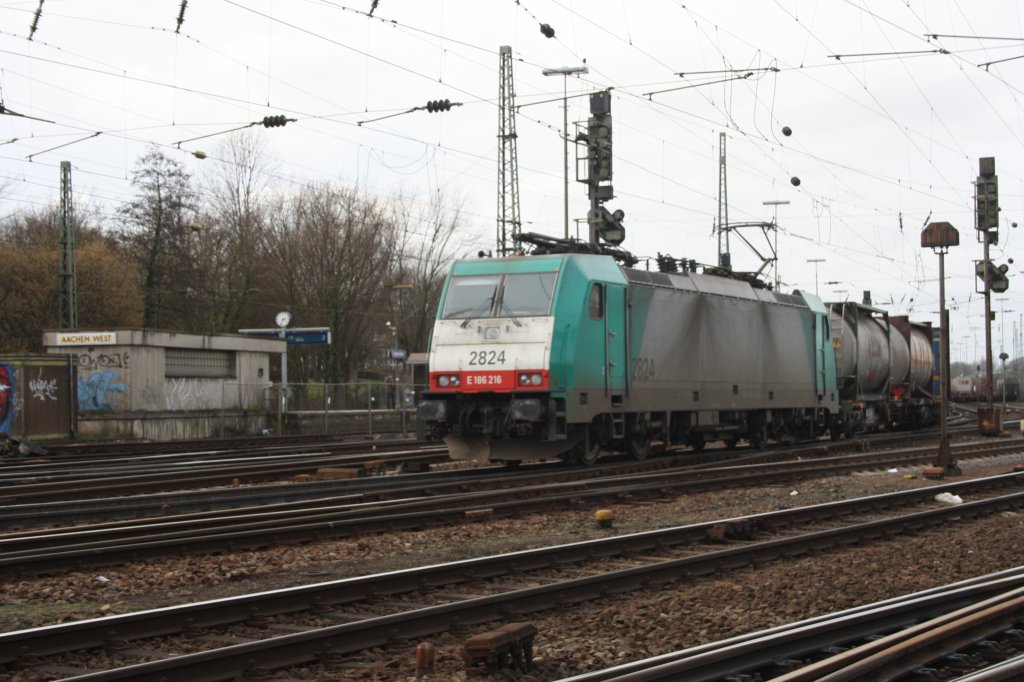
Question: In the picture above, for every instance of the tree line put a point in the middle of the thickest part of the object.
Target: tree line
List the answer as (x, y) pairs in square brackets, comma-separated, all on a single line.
[(230, 250)]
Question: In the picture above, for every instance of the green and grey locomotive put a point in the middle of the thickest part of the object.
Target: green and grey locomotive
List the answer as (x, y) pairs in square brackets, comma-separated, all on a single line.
[(572, 355)]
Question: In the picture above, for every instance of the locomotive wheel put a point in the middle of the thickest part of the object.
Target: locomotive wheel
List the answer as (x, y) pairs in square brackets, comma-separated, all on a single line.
[(590, 451), (758, 438), (639, 440), (587, 449)]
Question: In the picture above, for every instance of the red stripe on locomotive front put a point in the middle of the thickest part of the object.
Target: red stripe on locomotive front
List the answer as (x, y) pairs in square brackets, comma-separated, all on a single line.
[(494, 380)]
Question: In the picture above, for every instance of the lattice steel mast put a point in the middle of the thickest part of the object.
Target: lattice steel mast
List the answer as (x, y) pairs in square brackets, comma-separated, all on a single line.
[(508, 163), (724, 259), (68, 280)]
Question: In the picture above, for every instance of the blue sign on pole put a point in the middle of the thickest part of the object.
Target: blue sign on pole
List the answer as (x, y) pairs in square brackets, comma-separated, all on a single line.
[(299, 336), (308, 338)]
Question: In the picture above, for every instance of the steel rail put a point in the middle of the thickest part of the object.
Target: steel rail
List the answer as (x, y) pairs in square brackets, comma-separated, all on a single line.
[(85, 634), (371, 486), (282, 651), (894, 655), (188, 502), (58, 472), (749, 652), (28, 552), (87, 449), (224, 474)]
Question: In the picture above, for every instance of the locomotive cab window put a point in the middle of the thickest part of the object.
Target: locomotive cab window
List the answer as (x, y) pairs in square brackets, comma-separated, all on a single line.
[(596, 301), (512, 295), (527, 295), (471, 297)]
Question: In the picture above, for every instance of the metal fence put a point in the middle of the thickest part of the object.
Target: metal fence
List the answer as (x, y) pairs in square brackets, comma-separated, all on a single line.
[(368, 408)]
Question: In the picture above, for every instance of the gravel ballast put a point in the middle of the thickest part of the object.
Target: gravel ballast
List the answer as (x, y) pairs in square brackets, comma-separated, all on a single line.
[(594, 635)]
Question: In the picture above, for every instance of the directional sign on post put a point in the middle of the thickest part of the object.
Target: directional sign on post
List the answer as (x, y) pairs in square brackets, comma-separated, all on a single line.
[(312, 337), (297, 336)]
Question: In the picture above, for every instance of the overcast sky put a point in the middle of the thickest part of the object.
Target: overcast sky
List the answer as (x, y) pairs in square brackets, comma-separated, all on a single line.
[(887, 122)]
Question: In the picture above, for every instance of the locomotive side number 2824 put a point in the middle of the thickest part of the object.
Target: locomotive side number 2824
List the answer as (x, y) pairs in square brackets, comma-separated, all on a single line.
[(643, 370), (485, 358)]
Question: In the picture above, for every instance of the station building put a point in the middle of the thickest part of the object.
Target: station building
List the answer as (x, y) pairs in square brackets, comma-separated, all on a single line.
[(164, 385)]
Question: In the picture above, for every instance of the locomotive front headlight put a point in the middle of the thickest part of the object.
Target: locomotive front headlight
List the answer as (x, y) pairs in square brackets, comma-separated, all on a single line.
[(535, 379), (524, 379), (455, 380), (442, 381)]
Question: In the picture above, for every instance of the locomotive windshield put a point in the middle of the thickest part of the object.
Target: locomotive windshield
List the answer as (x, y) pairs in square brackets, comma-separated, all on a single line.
[(513, 295)]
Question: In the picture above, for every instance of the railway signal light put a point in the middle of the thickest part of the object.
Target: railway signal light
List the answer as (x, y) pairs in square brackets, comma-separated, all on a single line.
[(599, 138), (987, 195), (997, 279), (988, 202), (608, 225)]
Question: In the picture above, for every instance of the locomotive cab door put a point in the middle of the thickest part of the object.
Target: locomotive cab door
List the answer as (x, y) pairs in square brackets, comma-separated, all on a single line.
[(616, 346), (821, 334)]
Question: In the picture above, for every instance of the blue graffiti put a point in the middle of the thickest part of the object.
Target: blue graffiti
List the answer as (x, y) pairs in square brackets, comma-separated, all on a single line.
[(92, 392)]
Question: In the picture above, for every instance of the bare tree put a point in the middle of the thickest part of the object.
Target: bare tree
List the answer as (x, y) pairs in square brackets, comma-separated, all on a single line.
[(427, 247), (233, 242), (332, 252), (163, 218)]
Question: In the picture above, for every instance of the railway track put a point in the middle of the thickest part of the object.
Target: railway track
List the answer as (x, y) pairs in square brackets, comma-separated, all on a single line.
[(967, 631), (407, 506), (85, 450), (46, 496), (355, 614), (49, 482)]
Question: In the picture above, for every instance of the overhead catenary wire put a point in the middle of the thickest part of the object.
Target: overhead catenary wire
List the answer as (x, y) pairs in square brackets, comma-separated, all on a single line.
[(640, 45)]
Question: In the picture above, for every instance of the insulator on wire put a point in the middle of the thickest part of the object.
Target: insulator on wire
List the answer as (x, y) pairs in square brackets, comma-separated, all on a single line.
[(667, 263), (274, 121), (35, 20), (181, 15), (439, 105), (547, 30)]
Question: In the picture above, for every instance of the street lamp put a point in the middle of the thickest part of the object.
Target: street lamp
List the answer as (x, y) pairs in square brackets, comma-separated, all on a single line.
[(565, 72), (939, 237)]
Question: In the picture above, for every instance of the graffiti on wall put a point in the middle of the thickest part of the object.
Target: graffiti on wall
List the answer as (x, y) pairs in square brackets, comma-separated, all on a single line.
[(91, 362), (101, 387), (188, 394), (95, 391), (43, 389), (8, 397)]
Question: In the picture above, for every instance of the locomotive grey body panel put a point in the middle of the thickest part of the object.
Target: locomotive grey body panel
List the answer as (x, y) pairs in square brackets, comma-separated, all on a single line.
[(707, 343)]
